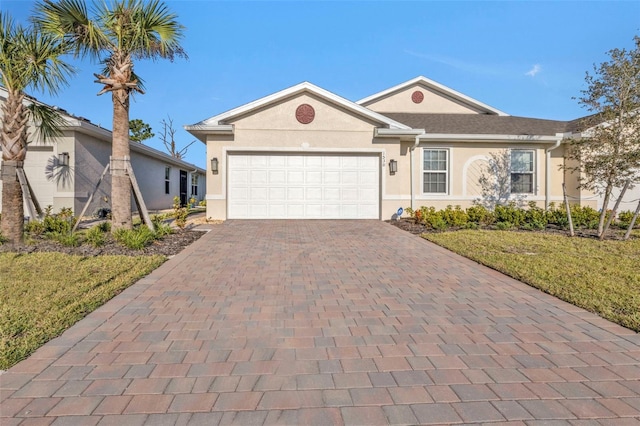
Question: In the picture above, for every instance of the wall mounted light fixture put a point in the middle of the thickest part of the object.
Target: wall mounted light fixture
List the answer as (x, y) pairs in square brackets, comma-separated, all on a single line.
[(63, 159), (214, 166), (393, 167)]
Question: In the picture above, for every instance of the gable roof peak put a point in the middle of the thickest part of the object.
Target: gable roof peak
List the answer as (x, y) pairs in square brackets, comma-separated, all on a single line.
[(221, 120), (437, 87)]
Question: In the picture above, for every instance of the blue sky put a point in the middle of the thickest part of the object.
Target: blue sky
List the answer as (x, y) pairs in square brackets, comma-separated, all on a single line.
[(524, 58)]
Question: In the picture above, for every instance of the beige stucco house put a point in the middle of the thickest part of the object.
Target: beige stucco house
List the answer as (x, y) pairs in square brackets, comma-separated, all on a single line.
[(65, 172), (305, 152)]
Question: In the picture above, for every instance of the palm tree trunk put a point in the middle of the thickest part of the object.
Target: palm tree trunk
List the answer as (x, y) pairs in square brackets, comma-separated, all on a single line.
[(120, 183), (12, 224), (14, 143)]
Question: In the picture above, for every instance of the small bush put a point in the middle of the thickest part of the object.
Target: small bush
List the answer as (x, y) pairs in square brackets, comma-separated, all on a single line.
[(136, 239), (34, 228), (480, 215), (53, 224), (203, 203), (504, 226), (96, 236), (3, 239), (584, 217), (180, 213), (535, 217), (66, 239), (104, 226), (455, 217), (510, 213)]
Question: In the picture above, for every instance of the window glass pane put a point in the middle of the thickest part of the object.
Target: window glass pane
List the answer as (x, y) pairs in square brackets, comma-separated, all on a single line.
[(521, 183), (167, 171), (435, 183), (522, 161), (435, 159)]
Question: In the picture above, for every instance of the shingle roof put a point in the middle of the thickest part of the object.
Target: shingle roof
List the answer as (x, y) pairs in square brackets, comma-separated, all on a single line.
[(485, 124)]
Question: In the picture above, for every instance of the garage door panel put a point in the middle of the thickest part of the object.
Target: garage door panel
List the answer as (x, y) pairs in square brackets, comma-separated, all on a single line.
[(314, 194), (314, 162), (277, 177), (295, 194), (259, 193), (313, 177), (295, 177), (277, 210), (331, 177), (277, 194), (350, 194), (295, 161), (259, 177), (299, 186), (332, 162)]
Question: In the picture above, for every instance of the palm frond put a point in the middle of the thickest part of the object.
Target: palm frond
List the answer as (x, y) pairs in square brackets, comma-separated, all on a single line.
[(44, 68), (69, 21), (48, 122)]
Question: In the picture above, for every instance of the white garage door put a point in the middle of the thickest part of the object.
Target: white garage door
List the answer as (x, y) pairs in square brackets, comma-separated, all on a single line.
[(268, 186)]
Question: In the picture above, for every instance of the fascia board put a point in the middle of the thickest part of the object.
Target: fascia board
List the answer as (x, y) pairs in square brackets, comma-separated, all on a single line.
[(299, 88), (390, 133), (439, 87), (487, 137)]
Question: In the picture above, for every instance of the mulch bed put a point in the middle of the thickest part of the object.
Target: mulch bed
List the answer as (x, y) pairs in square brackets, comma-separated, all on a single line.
[(411, 226), (170, 245)]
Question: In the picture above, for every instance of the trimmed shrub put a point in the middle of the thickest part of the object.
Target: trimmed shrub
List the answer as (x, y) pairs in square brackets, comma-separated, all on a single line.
[(455, 217), (136, 239), (535, 217), (480, 215), (510, 214)]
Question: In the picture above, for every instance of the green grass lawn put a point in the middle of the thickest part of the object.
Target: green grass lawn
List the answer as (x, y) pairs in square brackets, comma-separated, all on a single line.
[(43, 294), (600, 276)]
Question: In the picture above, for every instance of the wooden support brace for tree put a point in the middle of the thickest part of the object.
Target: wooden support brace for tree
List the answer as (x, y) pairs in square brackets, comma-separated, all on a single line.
[(29, 196), (137, 195), (86, 205)]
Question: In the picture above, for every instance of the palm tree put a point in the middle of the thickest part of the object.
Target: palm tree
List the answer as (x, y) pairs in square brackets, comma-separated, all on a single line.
[(28, 59), (115, 35)]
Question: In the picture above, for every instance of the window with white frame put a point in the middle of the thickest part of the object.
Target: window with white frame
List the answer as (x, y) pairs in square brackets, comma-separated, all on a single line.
[(435, 169), (167, 182), (522, 171), (194, 185)]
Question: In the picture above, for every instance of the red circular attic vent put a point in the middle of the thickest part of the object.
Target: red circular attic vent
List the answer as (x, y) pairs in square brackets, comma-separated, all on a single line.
[(417, 97), (305, 114)]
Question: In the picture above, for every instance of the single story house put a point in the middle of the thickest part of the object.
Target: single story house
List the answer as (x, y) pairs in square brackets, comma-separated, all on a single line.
[(305, 152), (65, 171)]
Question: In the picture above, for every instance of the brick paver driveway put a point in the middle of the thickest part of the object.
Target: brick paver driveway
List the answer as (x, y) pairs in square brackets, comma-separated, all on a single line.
[(328, 322)]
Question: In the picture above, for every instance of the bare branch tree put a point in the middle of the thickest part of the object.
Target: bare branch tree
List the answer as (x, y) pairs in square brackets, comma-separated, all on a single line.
[(167, 136)]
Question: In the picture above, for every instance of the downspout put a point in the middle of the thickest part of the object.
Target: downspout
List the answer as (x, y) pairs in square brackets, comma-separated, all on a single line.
[(415, 145), (547, 169)]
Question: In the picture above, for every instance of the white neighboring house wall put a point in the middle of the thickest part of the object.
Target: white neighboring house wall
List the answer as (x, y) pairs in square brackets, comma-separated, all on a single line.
[(89, 148), (629, 201)]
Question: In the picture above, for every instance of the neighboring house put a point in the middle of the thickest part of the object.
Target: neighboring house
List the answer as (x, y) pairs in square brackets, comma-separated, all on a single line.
[(64, 173), (629, 201), (305, 152)]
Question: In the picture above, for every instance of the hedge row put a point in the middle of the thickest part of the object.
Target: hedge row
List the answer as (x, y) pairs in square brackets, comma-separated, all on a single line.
[(511, 217)]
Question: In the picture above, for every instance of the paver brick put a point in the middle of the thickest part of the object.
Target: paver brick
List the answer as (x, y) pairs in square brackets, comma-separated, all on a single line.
[(315, 322)]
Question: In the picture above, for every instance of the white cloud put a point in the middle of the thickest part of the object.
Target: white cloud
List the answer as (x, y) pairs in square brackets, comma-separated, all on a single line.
[(533, 71)]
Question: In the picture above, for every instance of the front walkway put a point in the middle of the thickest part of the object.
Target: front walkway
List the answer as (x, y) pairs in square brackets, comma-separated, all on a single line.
[(328, 322)]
